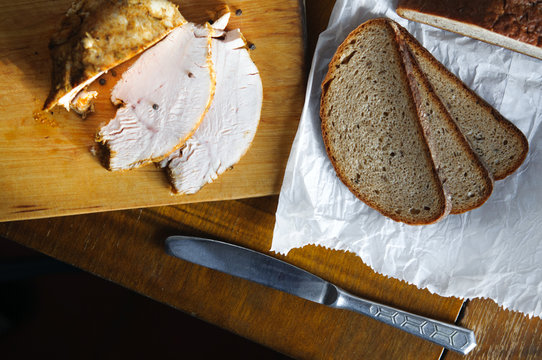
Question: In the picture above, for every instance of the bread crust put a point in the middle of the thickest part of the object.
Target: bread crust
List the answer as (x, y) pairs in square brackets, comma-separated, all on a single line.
[(511, 128), (335, 61)]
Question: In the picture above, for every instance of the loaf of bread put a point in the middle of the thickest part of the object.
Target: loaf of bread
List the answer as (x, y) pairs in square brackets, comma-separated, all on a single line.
[(516, 24), (371, 130), (405, 135)]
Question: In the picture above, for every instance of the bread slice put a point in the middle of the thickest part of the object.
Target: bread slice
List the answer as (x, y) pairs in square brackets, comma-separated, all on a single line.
[(371, 130), (515, 25), (501, 146), (469, 182)]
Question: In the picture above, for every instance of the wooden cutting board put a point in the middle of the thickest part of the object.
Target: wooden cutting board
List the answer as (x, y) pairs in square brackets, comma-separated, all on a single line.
[(46, 167)]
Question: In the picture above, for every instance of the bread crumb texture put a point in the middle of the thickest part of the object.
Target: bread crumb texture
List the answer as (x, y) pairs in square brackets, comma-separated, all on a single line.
[(371, 131), (405, 135)]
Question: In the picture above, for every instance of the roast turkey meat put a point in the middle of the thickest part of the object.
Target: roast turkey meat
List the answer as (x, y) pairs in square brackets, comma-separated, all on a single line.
[(228, 129), (96, 35), (164, 96)]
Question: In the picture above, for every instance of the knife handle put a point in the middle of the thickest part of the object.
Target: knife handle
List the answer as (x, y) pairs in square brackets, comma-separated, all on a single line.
[(449, 336)]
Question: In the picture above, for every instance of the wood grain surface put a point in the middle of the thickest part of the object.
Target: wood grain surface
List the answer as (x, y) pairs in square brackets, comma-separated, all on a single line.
[(127, 248), (501, 334), (46, 168)]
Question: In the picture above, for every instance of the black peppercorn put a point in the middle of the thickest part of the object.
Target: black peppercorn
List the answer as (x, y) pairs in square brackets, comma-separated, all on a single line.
[(155, 106)]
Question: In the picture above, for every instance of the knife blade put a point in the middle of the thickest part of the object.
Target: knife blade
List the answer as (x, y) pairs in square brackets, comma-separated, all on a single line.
[(280, 275)]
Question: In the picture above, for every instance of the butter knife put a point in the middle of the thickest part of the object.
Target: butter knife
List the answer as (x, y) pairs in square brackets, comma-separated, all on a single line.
[(266, 270)]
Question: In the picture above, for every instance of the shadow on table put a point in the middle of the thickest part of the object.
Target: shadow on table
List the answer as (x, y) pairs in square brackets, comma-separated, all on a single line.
[(48, 308)]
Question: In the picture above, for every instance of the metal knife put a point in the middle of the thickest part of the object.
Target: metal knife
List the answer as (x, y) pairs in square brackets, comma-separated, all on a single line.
[(266, 270)]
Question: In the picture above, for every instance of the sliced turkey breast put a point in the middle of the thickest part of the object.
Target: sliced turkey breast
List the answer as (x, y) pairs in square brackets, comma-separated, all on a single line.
[(230, 125), (165, 95), (96, 35)]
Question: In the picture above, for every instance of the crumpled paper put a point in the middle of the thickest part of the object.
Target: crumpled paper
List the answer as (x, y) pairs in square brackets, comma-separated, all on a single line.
[(492, 252)]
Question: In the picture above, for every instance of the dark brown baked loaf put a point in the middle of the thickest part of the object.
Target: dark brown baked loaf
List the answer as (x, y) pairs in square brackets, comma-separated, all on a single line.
[(513, 24)]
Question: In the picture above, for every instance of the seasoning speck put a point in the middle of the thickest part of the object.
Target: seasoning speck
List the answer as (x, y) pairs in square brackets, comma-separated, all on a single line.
[(252, 47), (113, 73), (211, 22), (155, 106), (102, 81), (44, 118), (239, 12)]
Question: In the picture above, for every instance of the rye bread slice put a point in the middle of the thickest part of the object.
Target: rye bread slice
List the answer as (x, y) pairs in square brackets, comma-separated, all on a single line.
[(501, 146), (371, 130), (468, 181)]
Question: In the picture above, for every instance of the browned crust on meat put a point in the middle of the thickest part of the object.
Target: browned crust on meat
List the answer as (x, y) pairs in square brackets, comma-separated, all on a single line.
[(511, 128), (445, 204), (103, 153), (408, 58), (170, 180), (82, 48)]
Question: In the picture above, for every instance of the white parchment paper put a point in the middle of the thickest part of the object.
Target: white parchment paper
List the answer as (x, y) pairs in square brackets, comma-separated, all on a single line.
[(494, 251)]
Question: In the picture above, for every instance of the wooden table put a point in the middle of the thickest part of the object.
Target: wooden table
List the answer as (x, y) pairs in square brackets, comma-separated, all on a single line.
[(127, 247)]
